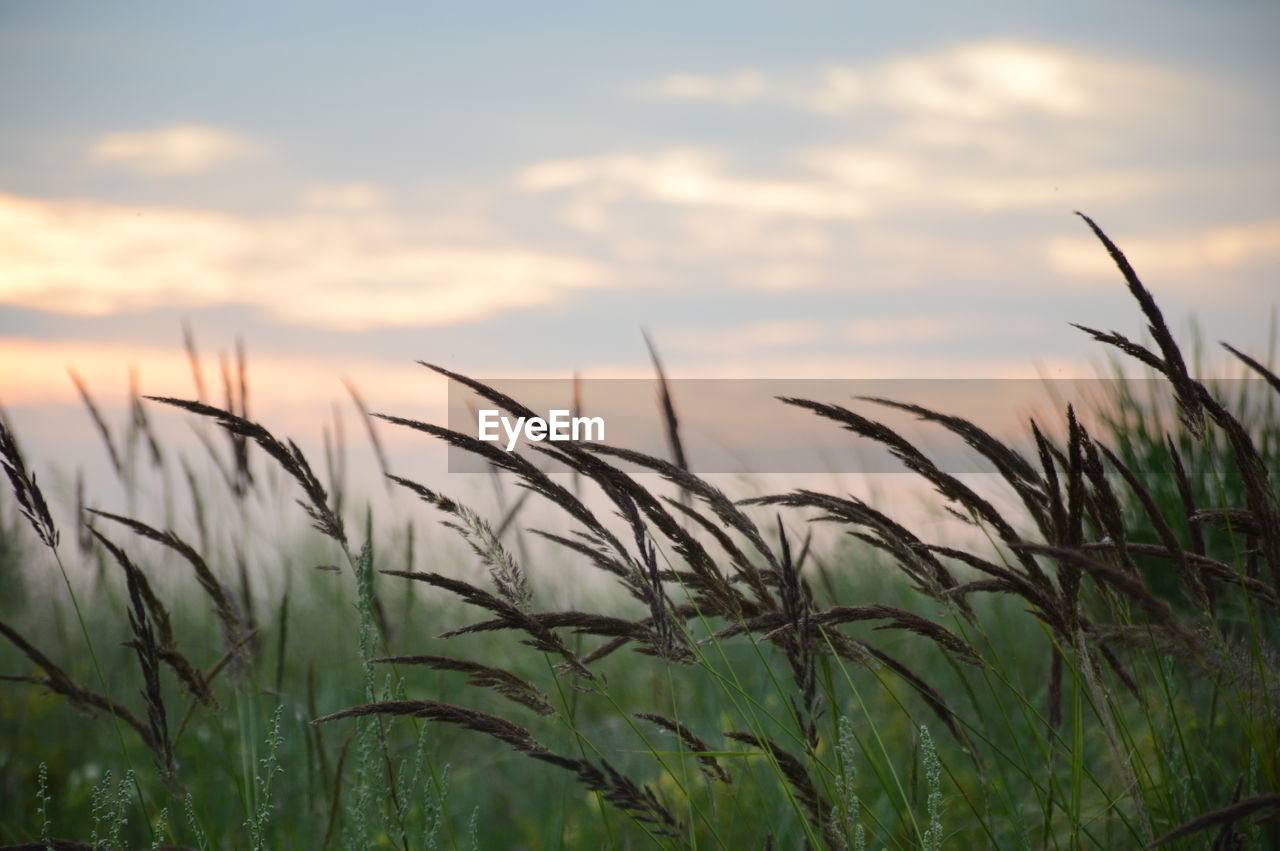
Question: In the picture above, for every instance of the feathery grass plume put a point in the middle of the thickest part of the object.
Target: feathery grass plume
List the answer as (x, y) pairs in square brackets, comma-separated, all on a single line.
[(723, 507), (509, 513), (1224, 817), (505, 683), (1194, 402), (1174, 366), (1238, 520), (629, 496), (1046, 599), (797, 640), (99, 422), (637, 801), (1013, 468), (748, 573), (1194, 532), (26, 490), (43, 799), (335, 460), (140, 423), (270, 767), (159, 829), (368, 769), (193, 821), (1059, 527), (932, 838), (777, 626), (148, 651), (670, 421), (1254, 674), (815, 806), (188, 675), (931, 696), (860, 652), (1127, 584), (668, 643), (929, 575), (429, 793), (235, 395), (1211, 568), (620, 630), (1190, 578), (846, 813), (219, 464), (531, 477), (58, 681), (505, 731), (706, 762), (370, 428), (944, 483), (540, 636), (288, 456), (193, 360), (1103, 508), (1073, 466), (1254, 475), (900, 619), (599, 555), (618, 486), (1270, 377), (110, 811), (508, 578), (84, 540), (223, 602)]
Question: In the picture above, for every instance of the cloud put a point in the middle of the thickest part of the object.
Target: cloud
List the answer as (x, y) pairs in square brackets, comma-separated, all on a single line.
[(691, 178), (903, 181), (41, 373), (352, 269), (174, 150), (1179, 256), (934, 141), (734, 88), (344, 197), (835, 184), (980, 81), (751, 337), (976, 81)]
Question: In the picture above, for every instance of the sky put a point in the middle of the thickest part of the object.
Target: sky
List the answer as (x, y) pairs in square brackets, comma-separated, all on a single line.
[(809, 190)]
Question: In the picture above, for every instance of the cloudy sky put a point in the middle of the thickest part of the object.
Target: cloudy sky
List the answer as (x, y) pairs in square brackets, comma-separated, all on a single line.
[(806, 189)]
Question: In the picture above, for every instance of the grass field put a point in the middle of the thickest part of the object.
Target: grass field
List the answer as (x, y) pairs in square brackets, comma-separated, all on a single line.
[(1100, 672)]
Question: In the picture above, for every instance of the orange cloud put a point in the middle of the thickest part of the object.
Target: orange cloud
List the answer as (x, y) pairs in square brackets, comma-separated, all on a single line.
[(36, 373), (343, 262)]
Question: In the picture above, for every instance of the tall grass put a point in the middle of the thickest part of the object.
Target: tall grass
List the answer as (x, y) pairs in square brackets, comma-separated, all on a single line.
[(1101, 674)]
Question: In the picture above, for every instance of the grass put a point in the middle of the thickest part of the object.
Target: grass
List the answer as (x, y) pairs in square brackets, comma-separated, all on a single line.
[(1102, 673)]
